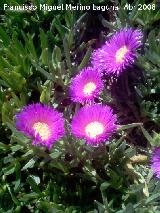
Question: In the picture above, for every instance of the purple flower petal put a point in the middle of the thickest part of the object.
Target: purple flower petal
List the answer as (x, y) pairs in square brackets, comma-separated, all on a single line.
[(155, 161), (94, 123), (118, 53), (42, 123), (86, 85)]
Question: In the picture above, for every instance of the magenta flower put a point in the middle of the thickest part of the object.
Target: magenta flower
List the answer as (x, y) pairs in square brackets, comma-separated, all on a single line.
[(155, 161), (94, 123), (118, 53), (86, 85), (42, 123)]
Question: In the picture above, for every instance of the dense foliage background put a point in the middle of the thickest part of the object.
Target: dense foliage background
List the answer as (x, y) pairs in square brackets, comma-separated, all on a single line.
[(39, 53)]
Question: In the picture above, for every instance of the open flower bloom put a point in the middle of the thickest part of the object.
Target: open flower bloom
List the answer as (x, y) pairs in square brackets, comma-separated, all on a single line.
[(155, 161), (118, 53), (42, 123), (86, 85), (94, 123)]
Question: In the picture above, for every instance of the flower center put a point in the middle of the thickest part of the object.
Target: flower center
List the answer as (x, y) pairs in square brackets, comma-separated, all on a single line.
[(42, 129), (89, 88), (94, 129), (120, 54)]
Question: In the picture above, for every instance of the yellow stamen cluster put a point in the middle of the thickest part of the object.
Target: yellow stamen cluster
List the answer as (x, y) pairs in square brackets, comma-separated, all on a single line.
[(42, 129), (94, 129), (89, 88), (120, 54)]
